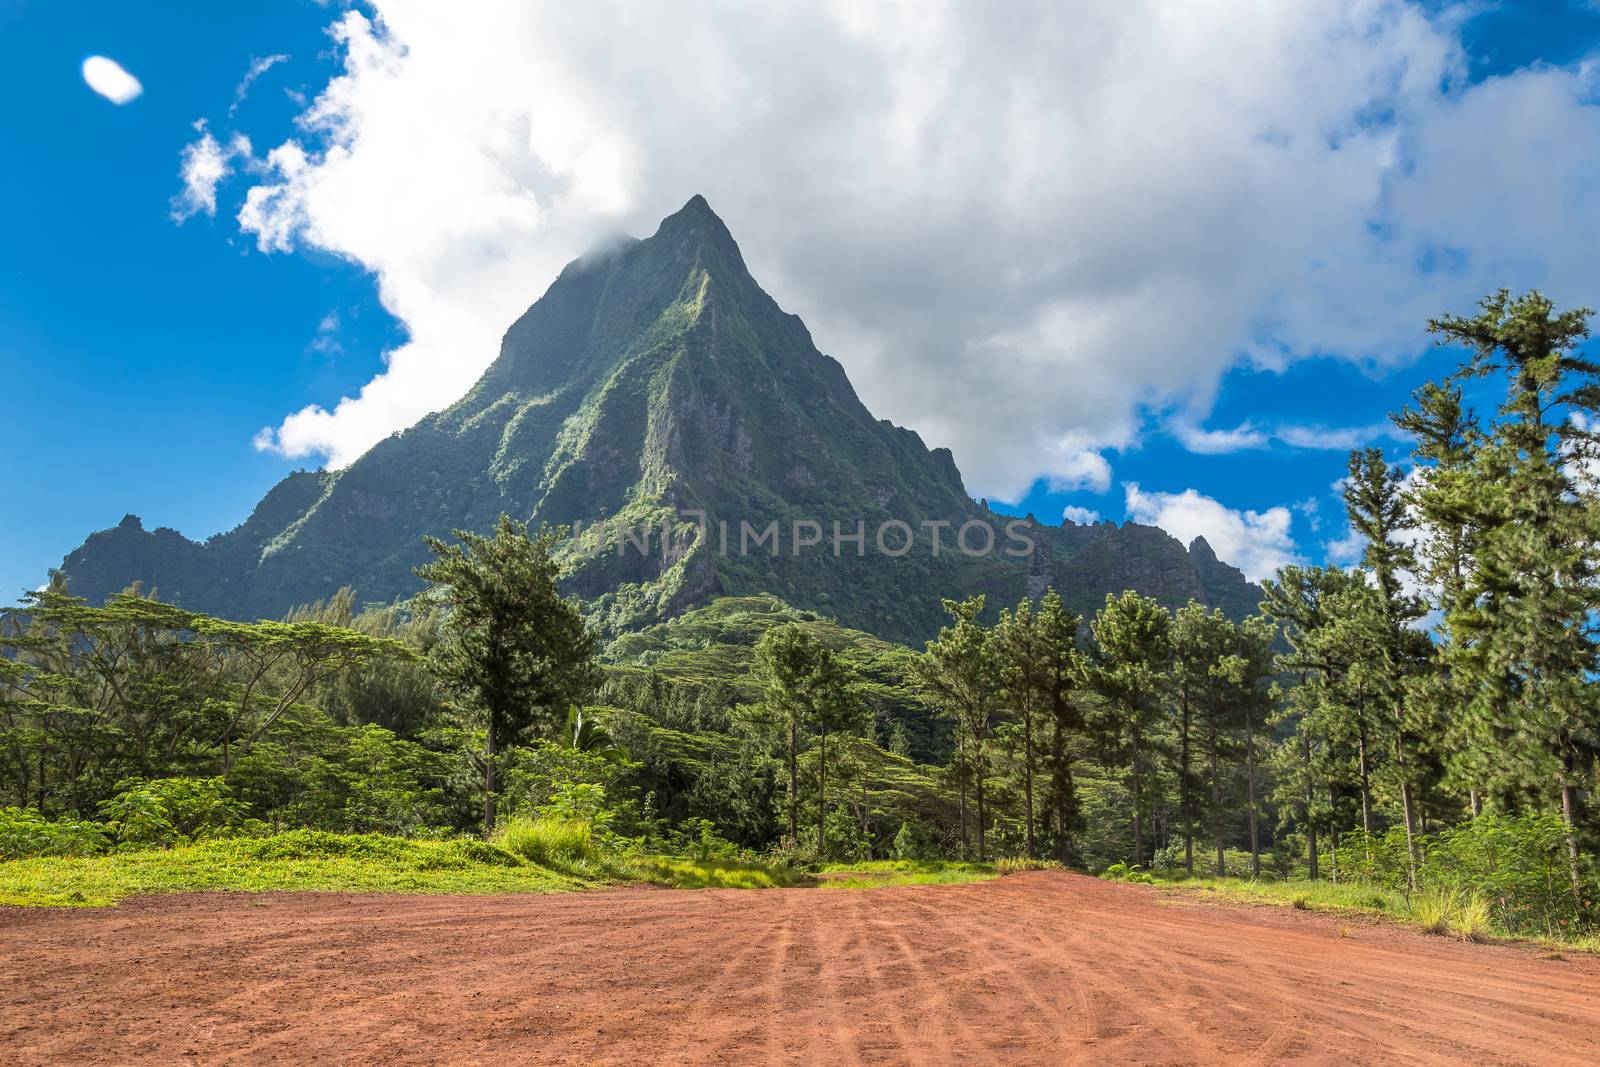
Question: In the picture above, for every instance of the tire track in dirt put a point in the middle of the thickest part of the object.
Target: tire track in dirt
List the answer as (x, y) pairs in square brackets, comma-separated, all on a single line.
[(1037, 968), (1006, 964)]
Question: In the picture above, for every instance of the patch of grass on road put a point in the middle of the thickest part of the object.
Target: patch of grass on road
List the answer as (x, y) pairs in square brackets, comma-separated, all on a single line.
[(680, 873), (876, 874)]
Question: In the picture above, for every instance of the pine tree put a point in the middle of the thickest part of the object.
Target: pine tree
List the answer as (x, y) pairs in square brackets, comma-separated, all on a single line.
[(836, 707), (1129, 660), (1383, 646), (1440, 495), (1300, 601), (961, 674), (1200, 639), (1064, 679), (1524, 632), (1019, 641)]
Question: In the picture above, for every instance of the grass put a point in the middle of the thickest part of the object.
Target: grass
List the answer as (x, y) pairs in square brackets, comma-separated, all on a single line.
[(527, 856), (564, 845), (298, 860), (877, 874), (680, 873), (1449, 914), (1303, 895)]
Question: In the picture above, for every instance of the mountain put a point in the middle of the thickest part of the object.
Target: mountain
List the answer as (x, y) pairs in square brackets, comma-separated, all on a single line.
[(656, 384)]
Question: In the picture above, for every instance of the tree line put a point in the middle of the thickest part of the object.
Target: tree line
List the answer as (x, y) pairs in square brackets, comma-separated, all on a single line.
[(1447, 679), (1449, 675)]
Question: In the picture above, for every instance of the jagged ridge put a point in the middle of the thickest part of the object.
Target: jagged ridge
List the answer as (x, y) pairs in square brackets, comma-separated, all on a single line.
[(653, 378)]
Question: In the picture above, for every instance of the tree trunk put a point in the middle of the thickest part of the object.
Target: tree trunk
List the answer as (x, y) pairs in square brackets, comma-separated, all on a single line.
[(1027, 776), (1216, 811), (1138, 814), (1474, 804), (1568, 817), (1250, 793), (1411, 844), (490, 777), (979, 769), (1185, 784), (1061, 773), (794, 780), (961, 795), (1311, 822), (1366, 793), (1065, 815), (822, 792)]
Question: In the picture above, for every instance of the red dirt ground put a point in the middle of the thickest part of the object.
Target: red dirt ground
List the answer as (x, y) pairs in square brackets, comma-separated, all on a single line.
[(1040, 968)]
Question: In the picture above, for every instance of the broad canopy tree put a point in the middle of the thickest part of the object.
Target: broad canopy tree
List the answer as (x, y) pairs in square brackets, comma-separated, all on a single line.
[(514, 650)]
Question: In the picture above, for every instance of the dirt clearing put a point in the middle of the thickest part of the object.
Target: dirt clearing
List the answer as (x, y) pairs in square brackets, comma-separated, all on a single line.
[(1039, 968)]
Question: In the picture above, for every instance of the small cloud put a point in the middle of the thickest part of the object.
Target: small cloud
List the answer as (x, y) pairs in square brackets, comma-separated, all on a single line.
[(1218, 442), (265, 440), (1334, 439), (326, 342), (106, 77), (1257, 542), (1311, 510), (203, 166), (1347, 550), (258, 67), (1076, 468), (1081, 516)]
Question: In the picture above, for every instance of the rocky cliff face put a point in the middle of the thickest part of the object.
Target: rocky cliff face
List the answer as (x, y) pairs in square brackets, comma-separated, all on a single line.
[(655, 384)]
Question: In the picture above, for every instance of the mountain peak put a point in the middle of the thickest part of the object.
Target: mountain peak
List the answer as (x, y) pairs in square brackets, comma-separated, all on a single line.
[(696, 207), (653, 380), (696, 218)]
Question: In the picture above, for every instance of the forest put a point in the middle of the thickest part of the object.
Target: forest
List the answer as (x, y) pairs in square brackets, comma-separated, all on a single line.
[(1424, 722)]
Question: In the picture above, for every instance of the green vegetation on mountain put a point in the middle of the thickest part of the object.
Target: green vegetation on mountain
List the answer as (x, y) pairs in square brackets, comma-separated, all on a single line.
[(656, 384)]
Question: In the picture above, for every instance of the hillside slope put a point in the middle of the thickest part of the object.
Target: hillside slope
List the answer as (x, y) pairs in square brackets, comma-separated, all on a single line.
[(655, 383)]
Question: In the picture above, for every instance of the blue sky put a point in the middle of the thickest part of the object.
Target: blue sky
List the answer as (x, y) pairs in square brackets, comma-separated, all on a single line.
[(142, 357)]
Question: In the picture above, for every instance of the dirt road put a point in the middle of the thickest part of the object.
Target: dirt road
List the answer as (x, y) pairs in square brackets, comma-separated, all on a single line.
[(1041, 968)]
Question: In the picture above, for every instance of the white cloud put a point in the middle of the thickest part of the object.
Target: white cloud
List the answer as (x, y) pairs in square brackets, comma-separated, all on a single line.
[(258, 67), (1346, 551), (1257, 542), (1018, 235), (1072, 467), (1245, 436), (1081, 516), (326, 342), (106, 77), (1335, 439), (1217, 442), (1311, 510), (203, 165)]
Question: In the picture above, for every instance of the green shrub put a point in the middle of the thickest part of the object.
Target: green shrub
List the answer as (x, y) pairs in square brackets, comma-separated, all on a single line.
[(166, 811), (698, 838), (461, 854), (320, 844), (1515, 865), (1122, 872), (1458, 912), (549, 841), (24, 832)]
